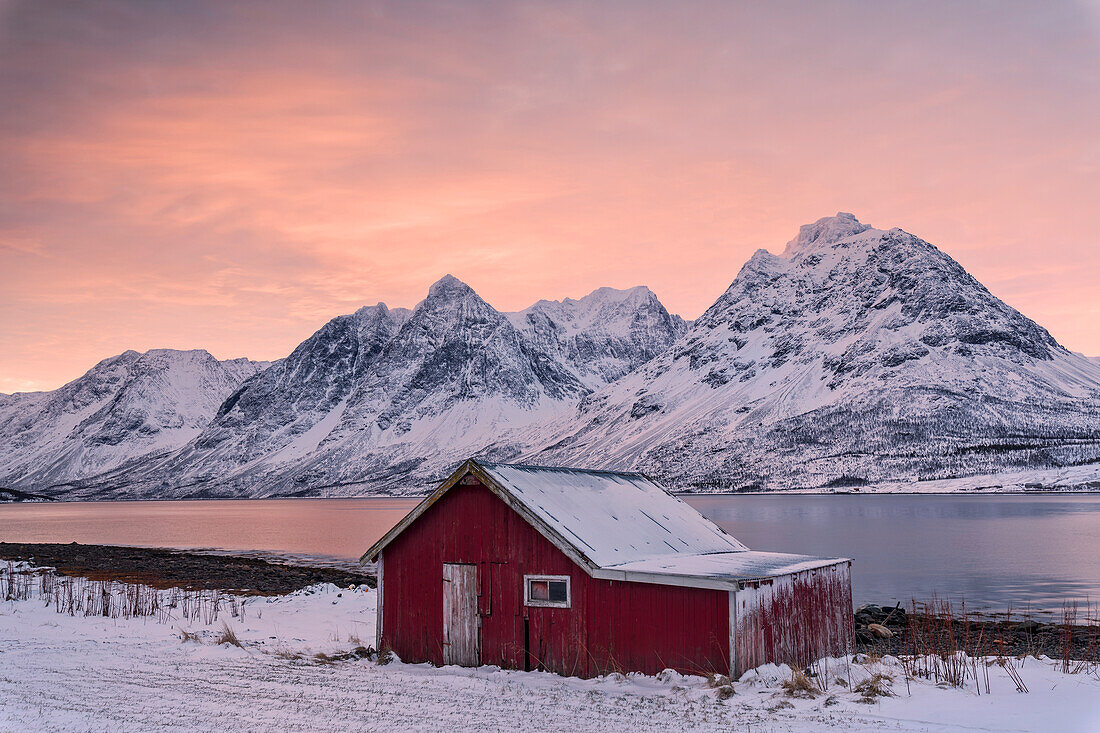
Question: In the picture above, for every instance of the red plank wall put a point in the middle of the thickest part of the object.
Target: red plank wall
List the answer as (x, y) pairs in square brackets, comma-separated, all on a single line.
[(611, 625), (794, 618)]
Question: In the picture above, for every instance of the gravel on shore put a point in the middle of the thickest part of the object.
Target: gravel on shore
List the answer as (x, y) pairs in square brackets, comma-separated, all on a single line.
[(908, 633)]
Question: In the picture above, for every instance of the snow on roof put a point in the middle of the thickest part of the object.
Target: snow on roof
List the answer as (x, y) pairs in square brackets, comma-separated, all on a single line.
[(612, 518), (732, 566), (620, 526)]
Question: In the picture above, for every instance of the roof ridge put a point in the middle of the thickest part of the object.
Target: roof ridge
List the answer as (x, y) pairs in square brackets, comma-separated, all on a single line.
[(566, 469)]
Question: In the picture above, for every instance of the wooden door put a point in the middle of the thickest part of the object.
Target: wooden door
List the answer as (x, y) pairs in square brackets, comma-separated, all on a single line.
[(461, 624)]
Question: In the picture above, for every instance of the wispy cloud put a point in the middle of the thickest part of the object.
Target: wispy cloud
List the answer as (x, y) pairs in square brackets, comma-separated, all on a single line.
[(230, 175)]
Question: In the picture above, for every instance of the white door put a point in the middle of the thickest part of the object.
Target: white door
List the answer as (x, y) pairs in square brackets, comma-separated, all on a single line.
[(460, 620)]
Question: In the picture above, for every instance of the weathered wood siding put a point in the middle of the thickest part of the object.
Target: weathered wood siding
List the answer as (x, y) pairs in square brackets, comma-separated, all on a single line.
[(460, 615), (611, 625), (793, 619)]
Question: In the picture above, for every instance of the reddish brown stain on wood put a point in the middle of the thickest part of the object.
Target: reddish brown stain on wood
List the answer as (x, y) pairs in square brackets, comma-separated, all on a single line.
[(794, 618)]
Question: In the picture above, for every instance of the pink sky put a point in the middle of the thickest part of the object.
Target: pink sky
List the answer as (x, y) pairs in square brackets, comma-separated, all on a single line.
[(197, 175)]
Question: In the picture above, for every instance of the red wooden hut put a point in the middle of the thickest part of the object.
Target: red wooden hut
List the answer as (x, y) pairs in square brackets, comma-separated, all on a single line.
[(583, 572)]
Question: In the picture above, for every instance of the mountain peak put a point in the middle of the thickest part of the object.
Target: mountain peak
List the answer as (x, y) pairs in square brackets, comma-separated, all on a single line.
[(825, 231), (638, 292), (380, 307), (449, 285)]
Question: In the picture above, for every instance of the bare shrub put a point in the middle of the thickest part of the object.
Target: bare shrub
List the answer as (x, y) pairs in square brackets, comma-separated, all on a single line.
[(15, 584), (1013, 673), (80, 596)]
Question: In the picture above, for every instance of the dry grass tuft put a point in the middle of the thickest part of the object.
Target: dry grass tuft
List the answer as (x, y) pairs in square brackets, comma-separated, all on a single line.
[(717, 680), (228, 636), (284, 653), (799, 685), (186, 636), (722, 684), (875, 686)]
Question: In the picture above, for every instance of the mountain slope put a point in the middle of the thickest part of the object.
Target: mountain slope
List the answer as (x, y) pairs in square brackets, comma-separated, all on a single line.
[(857, 356), (388, 399), (603, 335), (283, 412), (126, 407), (860, 355)]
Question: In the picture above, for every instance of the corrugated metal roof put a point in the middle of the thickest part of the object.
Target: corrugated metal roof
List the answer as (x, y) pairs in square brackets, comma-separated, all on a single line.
[(612, 518)]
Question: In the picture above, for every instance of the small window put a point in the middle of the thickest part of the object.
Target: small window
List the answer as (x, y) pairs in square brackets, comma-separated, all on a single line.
[(546, 590)]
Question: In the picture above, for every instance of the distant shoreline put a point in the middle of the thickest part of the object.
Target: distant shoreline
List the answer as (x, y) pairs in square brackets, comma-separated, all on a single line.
[(681, 494)]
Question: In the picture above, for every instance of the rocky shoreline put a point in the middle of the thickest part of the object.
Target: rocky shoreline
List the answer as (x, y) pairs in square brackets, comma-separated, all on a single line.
[(13, 496), (164, 568), (896, 630)]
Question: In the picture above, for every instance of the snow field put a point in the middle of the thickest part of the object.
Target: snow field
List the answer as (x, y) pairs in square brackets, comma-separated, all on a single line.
[(74, 673)]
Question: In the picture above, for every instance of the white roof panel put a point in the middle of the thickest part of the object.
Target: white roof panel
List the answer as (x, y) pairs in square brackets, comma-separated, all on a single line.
[(612, 518), (730, 566)]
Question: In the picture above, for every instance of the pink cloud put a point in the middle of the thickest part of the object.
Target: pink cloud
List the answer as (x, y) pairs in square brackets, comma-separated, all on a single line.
[(230, 177)]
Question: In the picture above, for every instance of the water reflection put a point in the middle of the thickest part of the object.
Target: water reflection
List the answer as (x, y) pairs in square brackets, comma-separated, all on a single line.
[(994, 551)]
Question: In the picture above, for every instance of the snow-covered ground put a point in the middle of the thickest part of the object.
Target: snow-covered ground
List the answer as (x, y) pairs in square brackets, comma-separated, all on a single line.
[(77, 673)]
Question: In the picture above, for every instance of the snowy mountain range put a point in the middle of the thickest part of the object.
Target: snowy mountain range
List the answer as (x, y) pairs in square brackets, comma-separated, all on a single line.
[(128, 407), (385, 398), (856, 356)]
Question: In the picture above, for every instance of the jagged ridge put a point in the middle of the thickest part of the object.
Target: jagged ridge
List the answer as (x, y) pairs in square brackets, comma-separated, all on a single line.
[(387, 398), (859, 355)]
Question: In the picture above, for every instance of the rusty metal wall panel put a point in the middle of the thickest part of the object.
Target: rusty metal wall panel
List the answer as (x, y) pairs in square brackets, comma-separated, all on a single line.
[(461, 630)]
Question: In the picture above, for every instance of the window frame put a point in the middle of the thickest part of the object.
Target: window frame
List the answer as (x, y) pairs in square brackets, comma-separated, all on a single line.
[(528, 601)]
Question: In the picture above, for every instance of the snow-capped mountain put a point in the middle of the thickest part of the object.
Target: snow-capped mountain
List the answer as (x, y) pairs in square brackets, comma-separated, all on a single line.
[(603, 335), (126, 407), (387, 399), (283, 412), (858, 355)]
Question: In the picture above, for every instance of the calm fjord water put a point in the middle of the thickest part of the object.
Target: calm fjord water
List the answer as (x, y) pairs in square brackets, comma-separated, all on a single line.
[(994, 551)]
